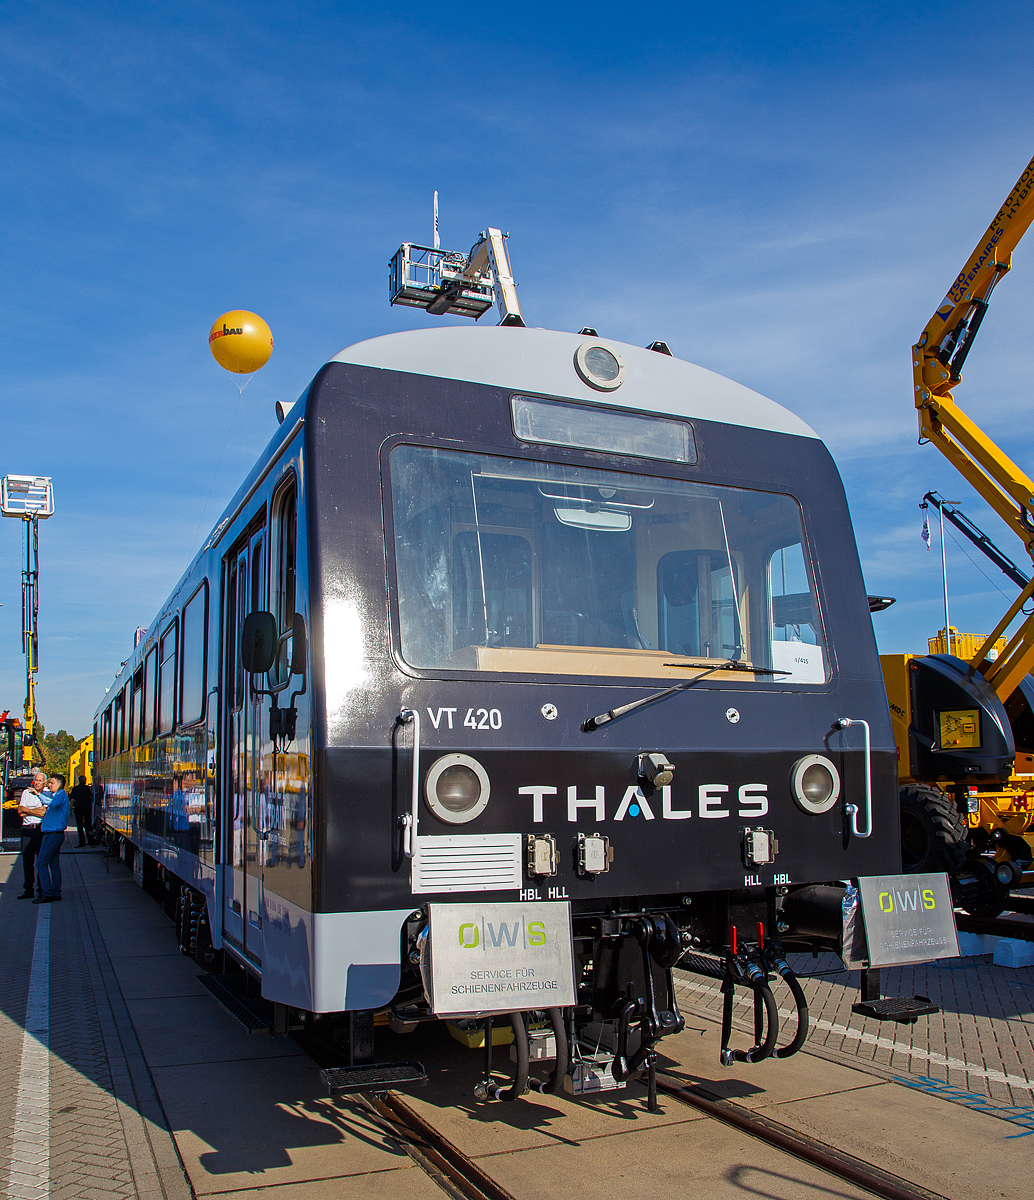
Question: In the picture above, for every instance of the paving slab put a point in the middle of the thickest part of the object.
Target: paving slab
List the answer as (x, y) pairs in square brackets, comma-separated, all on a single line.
[(981, 1043), (91, 1093), (155, 976), (693, 1059), (696, 1159), (177, 1030), (404, 1183), (968, 1156), (238, 1124)]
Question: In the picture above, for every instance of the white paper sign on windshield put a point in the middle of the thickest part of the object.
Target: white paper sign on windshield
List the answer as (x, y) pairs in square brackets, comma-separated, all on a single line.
[(804, 662)]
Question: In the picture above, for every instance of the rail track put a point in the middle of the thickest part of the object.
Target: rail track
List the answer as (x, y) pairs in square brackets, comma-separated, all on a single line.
[(460, 1177)]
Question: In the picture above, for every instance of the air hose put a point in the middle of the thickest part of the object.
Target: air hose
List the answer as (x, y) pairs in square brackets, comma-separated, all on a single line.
[(793, 983), (520, 1081), (766, 1018), (555, 1082)]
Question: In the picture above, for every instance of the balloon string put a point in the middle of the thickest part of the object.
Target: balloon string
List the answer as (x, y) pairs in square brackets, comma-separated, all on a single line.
[(215, 476), (244, 414)]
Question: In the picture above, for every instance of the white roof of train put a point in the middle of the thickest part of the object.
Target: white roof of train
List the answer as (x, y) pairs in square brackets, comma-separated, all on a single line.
[(542, 361)]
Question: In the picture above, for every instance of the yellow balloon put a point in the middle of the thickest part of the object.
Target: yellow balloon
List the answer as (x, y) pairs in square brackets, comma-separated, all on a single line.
[(241, 341)]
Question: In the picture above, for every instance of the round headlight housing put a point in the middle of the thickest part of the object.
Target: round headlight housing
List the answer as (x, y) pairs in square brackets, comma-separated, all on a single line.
[(457, 788), (599, 366), (815, 784)]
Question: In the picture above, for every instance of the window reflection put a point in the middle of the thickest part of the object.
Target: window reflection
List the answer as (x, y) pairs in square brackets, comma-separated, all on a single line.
[(510, 565)]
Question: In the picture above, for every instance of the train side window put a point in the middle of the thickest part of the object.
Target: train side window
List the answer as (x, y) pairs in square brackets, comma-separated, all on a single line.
[(134, 707), (97, 741), (195, 653), (106, 733), (167, 680), (285, 570), (119, 723), (147, 697)]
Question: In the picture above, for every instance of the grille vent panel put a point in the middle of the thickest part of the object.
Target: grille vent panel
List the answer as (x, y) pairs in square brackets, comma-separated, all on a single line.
[(470, 862)]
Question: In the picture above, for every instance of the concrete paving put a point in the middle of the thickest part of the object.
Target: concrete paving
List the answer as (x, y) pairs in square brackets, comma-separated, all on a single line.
[(978, 1050), (151, 1089)]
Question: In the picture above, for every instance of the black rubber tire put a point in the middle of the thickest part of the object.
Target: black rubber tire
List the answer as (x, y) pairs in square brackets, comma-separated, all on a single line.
[(934, 834)]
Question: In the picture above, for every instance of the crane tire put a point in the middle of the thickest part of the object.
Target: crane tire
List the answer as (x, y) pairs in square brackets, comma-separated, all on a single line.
[(934, 835)]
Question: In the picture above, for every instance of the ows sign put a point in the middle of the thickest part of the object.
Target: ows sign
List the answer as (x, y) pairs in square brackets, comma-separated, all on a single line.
[(908, 919), (489, 958), (506, 933)]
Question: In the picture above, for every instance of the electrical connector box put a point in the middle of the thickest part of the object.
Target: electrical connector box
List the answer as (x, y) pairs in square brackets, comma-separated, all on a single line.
[(594, 854), (759, 847), (542, 854)]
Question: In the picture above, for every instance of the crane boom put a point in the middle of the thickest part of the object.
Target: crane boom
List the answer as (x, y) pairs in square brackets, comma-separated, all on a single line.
[(937, 360)]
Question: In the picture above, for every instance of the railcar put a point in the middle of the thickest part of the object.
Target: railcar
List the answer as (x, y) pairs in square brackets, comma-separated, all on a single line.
[(523, 665)]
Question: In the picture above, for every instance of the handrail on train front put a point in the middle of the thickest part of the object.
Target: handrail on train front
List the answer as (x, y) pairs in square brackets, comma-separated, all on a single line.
[(852, 809), (411, 716)]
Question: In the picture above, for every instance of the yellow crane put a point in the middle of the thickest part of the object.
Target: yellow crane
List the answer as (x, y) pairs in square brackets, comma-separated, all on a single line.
[(937, 360), (965, 726)]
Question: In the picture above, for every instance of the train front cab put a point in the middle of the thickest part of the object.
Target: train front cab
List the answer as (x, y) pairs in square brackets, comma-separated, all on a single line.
[(557, 669), (555, 553)]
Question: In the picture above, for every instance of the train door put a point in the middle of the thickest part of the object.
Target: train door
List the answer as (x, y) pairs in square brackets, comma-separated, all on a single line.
[(245, 592)]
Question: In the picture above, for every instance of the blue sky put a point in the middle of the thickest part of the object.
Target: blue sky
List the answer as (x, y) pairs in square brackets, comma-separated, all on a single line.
[(783, 193)]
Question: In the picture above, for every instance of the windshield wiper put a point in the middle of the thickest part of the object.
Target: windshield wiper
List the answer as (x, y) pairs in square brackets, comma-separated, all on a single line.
[(732, 664), (593, 723)]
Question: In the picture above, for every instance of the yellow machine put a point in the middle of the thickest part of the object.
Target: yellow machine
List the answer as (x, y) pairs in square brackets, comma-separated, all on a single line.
[(80, 762), (964, 714)]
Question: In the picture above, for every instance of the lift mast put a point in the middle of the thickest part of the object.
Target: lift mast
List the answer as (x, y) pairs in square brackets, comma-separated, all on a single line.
[(30, 498), (937, 360)]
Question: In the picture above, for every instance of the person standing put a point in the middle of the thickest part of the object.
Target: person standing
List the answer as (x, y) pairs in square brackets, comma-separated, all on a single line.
[(30, 809), (48, 861), (82, 805)]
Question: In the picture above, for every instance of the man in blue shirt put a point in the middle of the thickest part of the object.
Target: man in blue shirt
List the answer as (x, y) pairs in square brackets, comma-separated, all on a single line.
[(48, 861)]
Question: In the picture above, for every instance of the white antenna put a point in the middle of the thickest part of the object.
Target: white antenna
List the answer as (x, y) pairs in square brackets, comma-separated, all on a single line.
[(437, 241)]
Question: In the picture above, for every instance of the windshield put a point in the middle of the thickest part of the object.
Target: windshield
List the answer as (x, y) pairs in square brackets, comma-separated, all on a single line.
[(506, 565)]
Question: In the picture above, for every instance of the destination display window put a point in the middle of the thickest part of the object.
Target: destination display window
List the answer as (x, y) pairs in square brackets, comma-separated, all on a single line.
[(505, 565)]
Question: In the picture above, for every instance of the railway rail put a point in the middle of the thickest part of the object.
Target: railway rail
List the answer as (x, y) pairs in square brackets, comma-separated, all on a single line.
[(461, 1177)]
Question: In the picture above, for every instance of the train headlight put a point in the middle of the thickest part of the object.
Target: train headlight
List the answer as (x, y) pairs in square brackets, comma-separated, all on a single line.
[(815, 783), (457, 788)]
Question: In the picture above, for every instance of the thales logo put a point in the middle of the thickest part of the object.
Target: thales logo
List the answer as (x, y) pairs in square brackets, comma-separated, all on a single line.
[(224, 332), (903, 902), (484, 935)]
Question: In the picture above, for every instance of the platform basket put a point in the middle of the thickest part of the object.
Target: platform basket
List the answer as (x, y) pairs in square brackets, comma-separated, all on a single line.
[(421, 275)]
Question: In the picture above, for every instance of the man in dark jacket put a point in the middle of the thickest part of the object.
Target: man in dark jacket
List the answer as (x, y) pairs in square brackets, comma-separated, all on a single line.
[(82, 805)]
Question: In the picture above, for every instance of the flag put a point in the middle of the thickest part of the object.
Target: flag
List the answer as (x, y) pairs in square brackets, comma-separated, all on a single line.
[(926, 529)]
